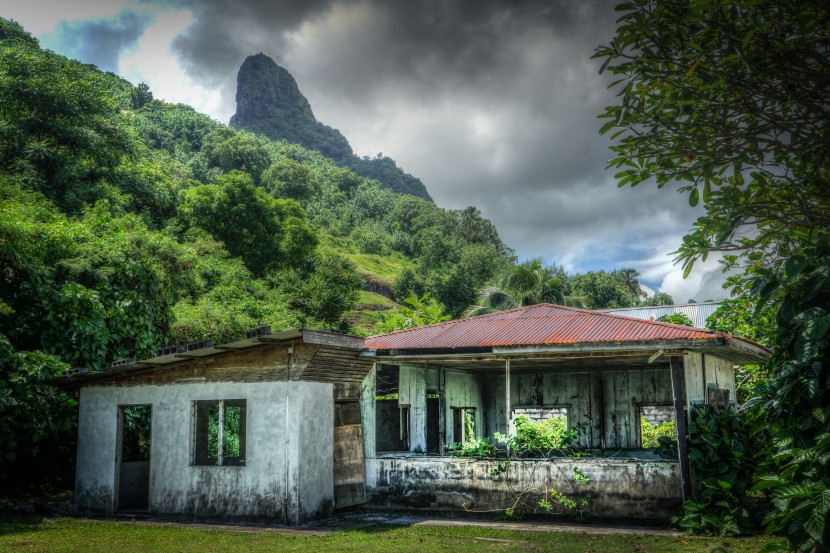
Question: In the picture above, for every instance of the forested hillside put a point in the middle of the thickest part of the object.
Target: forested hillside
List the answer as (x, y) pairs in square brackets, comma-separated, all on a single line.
[(128, 224), (269, 102)]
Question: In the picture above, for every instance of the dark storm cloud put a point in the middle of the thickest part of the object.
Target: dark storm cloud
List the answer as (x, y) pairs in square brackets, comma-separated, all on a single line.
[(224, 32), (101, 41)]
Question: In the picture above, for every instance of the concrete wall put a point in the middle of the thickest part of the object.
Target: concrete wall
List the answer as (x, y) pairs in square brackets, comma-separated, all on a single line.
[(618, 487), (288, 474)]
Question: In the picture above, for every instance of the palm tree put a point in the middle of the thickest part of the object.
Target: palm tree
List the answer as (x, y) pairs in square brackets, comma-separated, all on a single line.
[(628, 279), (527, 283)]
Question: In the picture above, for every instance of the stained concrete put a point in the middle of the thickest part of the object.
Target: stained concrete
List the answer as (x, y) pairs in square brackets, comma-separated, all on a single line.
[(288, 474), (625, 488)]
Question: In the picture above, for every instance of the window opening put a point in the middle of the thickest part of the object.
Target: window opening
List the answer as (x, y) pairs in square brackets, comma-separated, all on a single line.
[(656, 420), (547, 423), (137, 423), (391, 416), (220, 432), (463, 424)]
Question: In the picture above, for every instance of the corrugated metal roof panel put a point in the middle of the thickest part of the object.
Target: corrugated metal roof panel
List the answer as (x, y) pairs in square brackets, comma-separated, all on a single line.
[(697, 312), (542, 324)]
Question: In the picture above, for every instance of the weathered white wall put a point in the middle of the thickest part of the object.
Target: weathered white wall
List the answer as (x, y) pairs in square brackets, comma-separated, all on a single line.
[(703, 371), (617, 487), (458, 390), (367, 412), (288, 475), (462, 390)]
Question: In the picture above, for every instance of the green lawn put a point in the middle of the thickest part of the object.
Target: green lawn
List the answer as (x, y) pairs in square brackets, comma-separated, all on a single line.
[(56, 535)]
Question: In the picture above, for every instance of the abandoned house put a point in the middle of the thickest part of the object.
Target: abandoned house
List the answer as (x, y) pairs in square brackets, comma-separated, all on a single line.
[(266, 428), (602, 373), (288, 427)]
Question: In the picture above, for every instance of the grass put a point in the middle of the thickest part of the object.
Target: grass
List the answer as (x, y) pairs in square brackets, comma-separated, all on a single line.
[(378, 268), (364, 318), (67, 535), (370, 298)]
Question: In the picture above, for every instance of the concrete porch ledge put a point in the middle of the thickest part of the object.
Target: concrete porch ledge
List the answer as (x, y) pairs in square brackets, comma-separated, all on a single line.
[(625, 488)]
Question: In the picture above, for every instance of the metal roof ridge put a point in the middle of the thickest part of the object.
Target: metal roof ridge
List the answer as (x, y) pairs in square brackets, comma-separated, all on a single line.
[(456, 321)]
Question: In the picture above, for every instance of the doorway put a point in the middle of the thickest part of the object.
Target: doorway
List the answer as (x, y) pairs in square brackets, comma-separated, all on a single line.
[(435, 423), (135, 425)]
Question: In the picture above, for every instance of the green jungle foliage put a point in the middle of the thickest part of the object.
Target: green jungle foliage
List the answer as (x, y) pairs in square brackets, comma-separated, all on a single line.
[(677, 319), (724, 453), (651, 433), (414, 312), (728, 102)]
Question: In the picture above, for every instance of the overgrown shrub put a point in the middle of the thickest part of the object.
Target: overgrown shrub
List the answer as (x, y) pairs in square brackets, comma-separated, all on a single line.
[(724, 455)]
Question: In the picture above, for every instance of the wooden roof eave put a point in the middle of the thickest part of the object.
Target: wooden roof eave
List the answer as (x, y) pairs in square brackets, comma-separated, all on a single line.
[(207, 355), (736, 350)]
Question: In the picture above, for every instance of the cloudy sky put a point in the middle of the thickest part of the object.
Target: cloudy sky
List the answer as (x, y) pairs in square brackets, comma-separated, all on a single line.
[(491, 103)]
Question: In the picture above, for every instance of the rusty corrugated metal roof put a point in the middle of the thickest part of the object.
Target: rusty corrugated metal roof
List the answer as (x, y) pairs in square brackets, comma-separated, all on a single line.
[(541, 324)]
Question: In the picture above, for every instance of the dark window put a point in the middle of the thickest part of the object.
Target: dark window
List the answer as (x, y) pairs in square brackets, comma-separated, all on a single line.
[(391, 416), (220, 432)]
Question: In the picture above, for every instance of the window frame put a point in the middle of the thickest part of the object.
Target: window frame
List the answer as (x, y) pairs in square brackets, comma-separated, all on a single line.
[(200, 451)]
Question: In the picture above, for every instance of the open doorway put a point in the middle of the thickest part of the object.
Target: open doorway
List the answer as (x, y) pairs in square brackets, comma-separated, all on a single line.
[(133, 457), (391, 416), (435, 423)]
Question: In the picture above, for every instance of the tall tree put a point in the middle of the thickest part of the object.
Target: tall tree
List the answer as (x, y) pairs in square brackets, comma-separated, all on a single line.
[(730, 101), (527, 283), (630, 281), (265, 232)]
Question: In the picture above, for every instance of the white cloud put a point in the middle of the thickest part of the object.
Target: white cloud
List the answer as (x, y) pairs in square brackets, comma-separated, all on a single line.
[(152, 62)]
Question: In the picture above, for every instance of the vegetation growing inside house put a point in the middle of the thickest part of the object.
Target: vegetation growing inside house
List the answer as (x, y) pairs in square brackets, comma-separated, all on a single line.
[(651, 433), (533, 442), (728, 101)]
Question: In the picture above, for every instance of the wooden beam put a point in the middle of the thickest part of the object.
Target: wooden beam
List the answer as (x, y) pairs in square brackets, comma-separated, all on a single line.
[(680, 420)]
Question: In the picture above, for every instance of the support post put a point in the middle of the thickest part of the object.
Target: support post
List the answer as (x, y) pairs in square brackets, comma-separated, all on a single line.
[(680, 420), (507, 393)]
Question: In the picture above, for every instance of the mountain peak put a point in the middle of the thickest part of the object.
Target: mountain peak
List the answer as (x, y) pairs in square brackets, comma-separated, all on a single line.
[(263, 88), (269, 102)]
